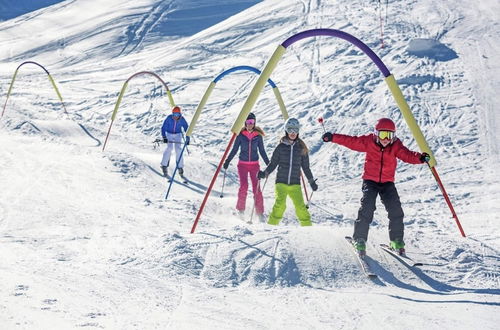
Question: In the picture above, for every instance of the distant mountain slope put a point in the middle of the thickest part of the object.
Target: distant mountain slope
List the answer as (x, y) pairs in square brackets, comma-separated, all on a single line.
[(109, 28), (13, 8)]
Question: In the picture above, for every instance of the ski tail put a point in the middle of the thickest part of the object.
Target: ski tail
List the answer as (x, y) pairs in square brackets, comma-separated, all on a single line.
[(403, 258)]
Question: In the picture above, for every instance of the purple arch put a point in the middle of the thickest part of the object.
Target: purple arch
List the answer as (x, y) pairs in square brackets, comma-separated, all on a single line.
[(342, 35), (31, 62), (14, 78)]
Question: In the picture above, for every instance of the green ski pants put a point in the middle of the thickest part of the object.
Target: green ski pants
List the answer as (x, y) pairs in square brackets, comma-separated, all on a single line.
[(295, 193)]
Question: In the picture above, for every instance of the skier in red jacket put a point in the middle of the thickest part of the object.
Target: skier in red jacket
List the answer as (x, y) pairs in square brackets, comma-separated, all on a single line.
[(382, 150)]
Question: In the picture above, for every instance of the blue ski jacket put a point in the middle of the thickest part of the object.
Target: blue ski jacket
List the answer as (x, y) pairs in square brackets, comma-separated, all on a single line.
[(172, 126), (250, 145)]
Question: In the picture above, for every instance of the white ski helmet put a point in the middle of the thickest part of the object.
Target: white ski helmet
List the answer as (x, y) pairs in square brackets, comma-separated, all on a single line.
[(292, 125)]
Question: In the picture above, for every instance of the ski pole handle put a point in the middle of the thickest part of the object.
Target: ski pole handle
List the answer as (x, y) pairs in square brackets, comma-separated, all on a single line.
[(158, 141), (320, 120)]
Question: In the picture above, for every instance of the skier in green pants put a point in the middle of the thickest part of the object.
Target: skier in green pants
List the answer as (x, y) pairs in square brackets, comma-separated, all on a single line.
[(290, 156)]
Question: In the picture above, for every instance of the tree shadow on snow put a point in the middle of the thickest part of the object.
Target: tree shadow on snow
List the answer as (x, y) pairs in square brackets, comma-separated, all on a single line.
[(447, 301)]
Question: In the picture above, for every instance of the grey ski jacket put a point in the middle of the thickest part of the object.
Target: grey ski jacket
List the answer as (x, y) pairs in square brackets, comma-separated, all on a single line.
[(289, 158)]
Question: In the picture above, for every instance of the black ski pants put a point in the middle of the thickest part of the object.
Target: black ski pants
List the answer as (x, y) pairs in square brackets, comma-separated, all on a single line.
[(390, 199)]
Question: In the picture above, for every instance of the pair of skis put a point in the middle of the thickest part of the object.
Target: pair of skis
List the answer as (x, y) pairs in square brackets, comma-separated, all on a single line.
[(404, 259), (249, 221), (183, 179)]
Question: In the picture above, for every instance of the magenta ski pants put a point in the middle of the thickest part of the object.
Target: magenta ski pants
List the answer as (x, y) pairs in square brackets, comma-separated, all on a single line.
[(245, 170)]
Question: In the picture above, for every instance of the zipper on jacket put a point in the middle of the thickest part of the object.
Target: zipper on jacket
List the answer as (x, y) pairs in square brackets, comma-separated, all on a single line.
[(381, 164), (291, 159), (250, 150), (175, 124)]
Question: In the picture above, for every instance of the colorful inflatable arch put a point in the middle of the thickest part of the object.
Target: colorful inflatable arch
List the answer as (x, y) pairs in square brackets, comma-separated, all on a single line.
[(122, 92), (389, 79), (207, 94), (211, 87), (48, 74)]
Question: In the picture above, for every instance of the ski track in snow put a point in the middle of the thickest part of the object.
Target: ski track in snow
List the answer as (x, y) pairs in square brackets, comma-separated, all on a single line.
[(89, 241)]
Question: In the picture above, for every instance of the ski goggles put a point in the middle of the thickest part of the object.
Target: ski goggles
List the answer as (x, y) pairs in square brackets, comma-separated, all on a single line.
[(292, 130), (250, 122), (176, 114), (383, 135)]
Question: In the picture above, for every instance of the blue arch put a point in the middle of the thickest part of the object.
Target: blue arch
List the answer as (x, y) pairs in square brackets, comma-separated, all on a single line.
[(243, 67)]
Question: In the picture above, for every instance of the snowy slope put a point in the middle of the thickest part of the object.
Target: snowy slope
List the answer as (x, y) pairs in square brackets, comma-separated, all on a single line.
[(88, 240)]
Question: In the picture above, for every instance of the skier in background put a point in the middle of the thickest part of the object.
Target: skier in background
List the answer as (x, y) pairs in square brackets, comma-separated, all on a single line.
[(173, 137), (290, 156), (382, 150), (250, 143)]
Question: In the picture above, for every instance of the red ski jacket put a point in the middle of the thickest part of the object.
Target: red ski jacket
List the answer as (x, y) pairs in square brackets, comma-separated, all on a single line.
[(380, 162)]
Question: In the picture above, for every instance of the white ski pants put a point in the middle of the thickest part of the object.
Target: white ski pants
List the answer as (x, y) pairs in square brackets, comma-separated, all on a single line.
[(178, 143)]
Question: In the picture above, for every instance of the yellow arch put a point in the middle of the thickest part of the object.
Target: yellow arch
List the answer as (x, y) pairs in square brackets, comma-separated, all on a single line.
[(389, 79), (50, 79), (211, 87), (122, 92)]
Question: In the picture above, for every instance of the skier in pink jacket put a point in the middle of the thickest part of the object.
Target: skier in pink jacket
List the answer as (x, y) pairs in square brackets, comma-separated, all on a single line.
[(250, 143)]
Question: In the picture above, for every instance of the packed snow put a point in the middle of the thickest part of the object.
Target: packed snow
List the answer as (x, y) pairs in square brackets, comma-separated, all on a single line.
[(88, 239)]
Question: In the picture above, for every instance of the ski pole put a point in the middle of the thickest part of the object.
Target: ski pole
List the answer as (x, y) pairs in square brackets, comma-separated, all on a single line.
[(320, 120), (184, 139), (158, 141), (223, 182), (446, 198), (253, 207), (304, 185), (309, 201)]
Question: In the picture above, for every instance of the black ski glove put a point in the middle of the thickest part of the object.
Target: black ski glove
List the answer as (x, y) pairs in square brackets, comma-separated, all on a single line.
[(425, 157), (226, 164), (314, 185), (262, 175), (165, 140), (327, 137), (188, 139)]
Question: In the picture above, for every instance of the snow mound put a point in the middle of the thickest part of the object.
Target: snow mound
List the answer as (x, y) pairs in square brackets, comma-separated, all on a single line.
[(248, 257)]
